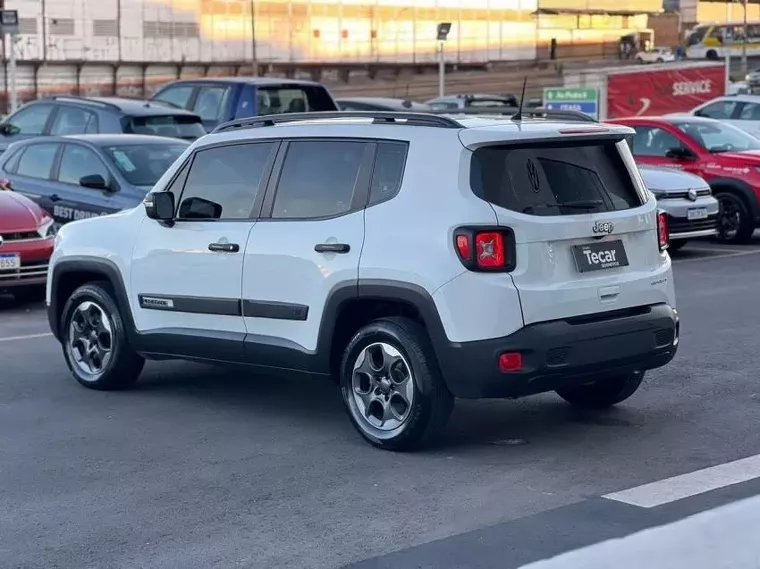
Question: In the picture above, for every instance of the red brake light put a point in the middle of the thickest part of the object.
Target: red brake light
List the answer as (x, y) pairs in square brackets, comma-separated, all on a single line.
[(663, 234), (485, 248)]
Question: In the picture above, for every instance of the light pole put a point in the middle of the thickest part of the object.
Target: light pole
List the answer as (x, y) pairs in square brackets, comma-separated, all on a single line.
[(442, 32), (744, 38), (727, 49), (254, 62)]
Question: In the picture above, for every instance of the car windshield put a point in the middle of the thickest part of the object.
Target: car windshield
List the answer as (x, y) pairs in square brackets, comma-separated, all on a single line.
[(719, 137), (188, 127), (144, 164)]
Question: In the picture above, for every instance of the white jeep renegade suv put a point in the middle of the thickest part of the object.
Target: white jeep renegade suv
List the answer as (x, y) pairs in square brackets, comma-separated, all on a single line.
[(416, 258)]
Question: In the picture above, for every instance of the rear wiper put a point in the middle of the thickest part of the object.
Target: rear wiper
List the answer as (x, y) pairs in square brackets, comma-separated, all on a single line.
[(580, 204)]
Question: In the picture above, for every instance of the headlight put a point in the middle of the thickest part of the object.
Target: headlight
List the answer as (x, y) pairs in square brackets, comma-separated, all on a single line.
[(47, 228), (708, 189)]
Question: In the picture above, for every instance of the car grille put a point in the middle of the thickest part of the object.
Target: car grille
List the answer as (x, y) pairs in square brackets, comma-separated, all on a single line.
[(29, 270), (20, 236), (684, 194), (681, 225)]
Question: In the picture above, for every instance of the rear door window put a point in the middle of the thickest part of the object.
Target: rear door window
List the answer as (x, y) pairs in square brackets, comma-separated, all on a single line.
[(564, 178), (272, 100), (37, 160), (211, 102)]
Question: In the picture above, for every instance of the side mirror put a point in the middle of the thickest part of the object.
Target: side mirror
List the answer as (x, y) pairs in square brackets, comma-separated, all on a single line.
[(7, 129), (159, 206), (198, 208), (680, 154), (95, 181)]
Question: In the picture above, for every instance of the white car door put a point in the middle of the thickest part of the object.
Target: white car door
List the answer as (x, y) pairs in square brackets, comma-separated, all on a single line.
[(748, 119), (187, 275), (304, 247)]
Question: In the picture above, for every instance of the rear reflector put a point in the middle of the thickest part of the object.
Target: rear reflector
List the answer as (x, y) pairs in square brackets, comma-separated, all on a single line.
[(485, 248), (510, 361), (663, 234)]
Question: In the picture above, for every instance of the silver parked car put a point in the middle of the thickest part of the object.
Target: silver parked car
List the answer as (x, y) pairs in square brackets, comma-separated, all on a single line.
[(687, 199)]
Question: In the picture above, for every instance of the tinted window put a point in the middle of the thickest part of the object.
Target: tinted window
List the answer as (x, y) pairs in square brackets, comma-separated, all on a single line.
[(719, 137), (31, 119), (78, 162), (174, 126), (210, 102), (143, 165), (177, 96), (12, 161), (353, 106), (718, 110), (293, 99), (230, 176), (653, 141), (750, 112), (318, 179), (71, 120), (561, 179), (37, 161), (388, 171)]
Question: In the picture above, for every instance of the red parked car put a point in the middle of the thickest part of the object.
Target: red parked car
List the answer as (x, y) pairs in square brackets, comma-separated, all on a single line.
[(27, 234), (727, 157)]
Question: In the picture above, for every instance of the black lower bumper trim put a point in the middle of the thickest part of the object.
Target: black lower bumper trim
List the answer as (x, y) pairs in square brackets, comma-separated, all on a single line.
[(562, 353)]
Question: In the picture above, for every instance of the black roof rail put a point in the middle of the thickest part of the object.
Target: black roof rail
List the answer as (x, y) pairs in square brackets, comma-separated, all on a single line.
[(378, 117), (83, 100), (532, 112)]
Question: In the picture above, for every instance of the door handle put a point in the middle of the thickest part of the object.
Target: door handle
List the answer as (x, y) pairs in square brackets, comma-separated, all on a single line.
[(332, 248), (55, 197), (224, 247)]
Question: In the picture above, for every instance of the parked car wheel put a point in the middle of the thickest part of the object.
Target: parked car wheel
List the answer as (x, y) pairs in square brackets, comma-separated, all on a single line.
[(711, 54), (735, 225), (95, 342), (603, 393), (392, 387)]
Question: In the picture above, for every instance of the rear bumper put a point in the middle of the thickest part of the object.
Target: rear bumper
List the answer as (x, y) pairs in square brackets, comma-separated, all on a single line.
[(561, 353)]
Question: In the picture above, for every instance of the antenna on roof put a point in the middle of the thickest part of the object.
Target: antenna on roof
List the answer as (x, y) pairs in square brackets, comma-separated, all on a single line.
[(518, 114)]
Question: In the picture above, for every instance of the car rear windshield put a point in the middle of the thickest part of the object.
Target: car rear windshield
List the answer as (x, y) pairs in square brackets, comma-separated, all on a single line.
[(293, 99), (144, 164), (188, 127), (562, 178)]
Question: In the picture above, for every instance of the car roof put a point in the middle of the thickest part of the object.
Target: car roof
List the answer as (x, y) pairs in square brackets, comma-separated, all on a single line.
[(141, 107), (265, 81), (740, 98), (105, 139), (471, 129)]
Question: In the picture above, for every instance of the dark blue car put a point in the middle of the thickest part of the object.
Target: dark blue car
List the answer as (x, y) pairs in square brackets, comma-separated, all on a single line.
[(223, 99), (80, 176), (65, 114)]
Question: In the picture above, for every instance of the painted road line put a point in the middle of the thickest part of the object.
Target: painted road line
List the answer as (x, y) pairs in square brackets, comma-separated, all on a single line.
[(713, 257), (26, 337), (691, 484)]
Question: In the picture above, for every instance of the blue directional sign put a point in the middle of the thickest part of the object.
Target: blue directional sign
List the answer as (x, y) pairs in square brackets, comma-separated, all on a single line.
[(582, 100)]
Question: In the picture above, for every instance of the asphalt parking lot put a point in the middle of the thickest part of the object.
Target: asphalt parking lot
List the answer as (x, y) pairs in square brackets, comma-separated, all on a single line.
[(206, 467)]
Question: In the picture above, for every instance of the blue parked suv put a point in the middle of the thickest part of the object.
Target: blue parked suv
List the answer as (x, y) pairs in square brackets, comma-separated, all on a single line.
[(80, 176), (66, 114), (223, 99)]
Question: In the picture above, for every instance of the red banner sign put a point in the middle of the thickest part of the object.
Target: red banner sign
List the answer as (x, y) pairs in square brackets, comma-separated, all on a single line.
[(650, 93)]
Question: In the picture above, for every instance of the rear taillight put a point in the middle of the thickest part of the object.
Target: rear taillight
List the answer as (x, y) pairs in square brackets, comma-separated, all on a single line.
[(485, 248), (663, 235)]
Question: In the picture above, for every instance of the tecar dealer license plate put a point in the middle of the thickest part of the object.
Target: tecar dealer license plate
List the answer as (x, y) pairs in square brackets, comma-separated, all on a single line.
[(598, 256)]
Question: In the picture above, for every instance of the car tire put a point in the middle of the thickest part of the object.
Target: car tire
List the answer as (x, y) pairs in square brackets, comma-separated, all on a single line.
[(33, 293), (735, 224), (660, 60), (603, 393), (94, 339), (392, 386), (711, 54), (675, 246)]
